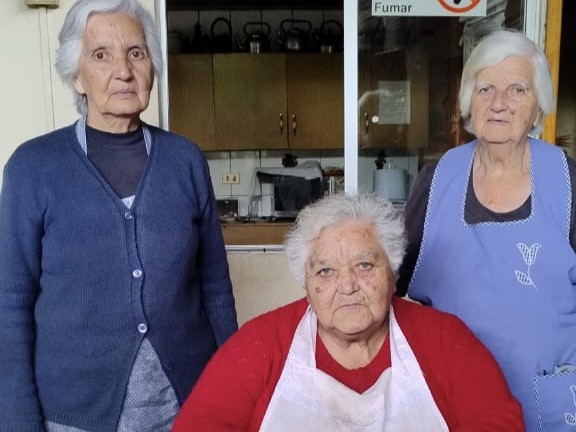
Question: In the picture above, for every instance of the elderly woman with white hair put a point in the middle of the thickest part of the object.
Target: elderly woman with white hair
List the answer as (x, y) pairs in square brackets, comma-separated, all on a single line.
[(114, 284), (349, 357), (491, 234)]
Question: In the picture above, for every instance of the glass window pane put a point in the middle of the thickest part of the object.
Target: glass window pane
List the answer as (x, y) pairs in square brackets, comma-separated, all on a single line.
[(408, 81)]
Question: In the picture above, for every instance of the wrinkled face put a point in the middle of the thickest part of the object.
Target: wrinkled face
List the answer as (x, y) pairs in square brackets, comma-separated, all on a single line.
[(115, 71), (348, 280), (504, 102)]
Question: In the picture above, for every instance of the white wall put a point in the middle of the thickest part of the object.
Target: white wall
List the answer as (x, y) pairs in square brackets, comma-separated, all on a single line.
[(33, 99), (261, 283), (24, 89)]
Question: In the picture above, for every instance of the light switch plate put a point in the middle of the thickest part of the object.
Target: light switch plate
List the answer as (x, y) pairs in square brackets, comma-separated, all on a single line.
[(42, 3)]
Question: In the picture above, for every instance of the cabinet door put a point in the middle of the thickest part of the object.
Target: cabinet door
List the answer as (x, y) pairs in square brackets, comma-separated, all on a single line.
[(315, 100), (393, 100), (191, 111), (376, 73), (250, 101)]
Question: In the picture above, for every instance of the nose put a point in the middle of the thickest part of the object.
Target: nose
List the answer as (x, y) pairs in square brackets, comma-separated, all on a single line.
[(122, 68), (347, 281), (499, 101)]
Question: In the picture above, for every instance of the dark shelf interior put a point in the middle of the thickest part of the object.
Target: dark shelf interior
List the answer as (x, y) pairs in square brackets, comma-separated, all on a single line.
[(252, 4)]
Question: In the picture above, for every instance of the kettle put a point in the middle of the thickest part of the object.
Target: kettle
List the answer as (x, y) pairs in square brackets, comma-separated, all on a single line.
[(293, 34), (221, 42), (257, 40), (329, 37), (176, 42)]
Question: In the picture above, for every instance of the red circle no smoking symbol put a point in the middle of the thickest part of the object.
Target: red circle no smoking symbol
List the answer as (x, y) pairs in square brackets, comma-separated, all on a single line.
[(454, 5)]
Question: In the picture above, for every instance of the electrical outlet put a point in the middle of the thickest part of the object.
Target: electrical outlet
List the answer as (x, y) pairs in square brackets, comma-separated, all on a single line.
[(231, 178)]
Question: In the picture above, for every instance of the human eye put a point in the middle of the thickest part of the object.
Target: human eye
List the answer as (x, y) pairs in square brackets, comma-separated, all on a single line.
[(517, 90), (100, 55), (137, 53), (484, 89), (365, 266), (325, 272)]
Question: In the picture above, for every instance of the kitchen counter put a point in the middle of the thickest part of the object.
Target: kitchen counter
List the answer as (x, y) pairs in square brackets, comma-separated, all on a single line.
[(255, 232)]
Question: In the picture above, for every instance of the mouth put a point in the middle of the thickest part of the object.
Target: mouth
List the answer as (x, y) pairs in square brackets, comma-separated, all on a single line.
[(350, 306), (124, 94), (498, 121)]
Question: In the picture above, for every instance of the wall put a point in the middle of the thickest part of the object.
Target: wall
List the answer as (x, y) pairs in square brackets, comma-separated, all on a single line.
[(261, 283), (245, 162)]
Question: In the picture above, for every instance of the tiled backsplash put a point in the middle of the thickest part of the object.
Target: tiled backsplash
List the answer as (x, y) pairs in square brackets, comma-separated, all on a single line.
[(244, 164)]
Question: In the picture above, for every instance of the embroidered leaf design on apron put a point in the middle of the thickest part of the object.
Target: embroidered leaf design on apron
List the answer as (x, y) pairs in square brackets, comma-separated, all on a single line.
[(569, 417), (529, 254), (523, 278)]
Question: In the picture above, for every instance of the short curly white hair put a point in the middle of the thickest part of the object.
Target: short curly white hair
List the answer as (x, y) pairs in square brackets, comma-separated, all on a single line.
[(330, 211)]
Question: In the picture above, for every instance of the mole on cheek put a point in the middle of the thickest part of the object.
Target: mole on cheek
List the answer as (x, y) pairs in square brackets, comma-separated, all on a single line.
[(317, 290)]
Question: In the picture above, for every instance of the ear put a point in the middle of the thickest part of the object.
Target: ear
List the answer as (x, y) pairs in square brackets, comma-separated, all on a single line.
[(77, 83), (539, 117)]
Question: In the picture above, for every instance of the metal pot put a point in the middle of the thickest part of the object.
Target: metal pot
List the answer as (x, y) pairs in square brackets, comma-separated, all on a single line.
[(293, 34), (257, 40), (329, 37)]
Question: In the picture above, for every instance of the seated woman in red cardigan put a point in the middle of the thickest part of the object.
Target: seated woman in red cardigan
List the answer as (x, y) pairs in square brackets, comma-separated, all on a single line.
[(349, 356)]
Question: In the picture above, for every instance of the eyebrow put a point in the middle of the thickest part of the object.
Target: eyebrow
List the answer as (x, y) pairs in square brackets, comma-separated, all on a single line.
[(359, 257), (488, 83), (99, 45)]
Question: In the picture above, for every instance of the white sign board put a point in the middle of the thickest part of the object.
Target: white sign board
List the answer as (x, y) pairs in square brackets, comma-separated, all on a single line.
[(394, 102), (429, 7)]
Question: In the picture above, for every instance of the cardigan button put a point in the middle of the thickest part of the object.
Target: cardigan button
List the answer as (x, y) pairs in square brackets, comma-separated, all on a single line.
[(142, 328), (128, 215), (137, 273)]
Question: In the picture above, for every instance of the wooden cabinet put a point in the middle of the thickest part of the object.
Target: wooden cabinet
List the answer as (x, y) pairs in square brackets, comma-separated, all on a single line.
[(250, 101), (264, 101), (191, 111), (315, 84)]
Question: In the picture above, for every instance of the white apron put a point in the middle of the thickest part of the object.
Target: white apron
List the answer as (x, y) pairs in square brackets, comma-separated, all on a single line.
[(306, 398)]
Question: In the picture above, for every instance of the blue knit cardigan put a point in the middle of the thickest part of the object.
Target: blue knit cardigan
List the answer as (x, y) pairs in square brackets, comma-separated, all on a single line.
[(83, 279)]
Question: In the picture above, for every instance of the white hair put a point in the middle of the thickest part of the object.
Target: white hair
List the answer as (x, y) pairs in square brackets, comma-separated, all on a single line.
[(492, 50), (70, 38), (330, 211)]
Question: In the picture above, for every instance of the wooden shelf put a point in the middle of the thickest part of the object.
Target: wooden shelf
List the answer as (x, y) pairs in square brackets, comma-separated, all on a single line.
[(250, 233)]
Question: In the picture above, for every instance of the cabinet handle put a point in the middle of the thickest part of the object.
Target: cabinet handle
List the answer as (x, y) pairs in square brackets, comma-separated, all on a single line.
[(366, 122), (293, 124), (281, 123)]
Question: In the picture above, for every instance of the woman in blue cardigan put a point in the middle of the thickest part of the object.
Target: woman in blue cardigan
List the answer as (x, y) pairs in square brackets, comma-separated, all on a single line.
[(114, 284)]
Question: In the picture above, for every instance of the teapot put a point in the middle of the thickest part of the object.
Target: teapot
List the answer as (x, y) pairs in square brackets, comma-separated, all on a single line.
[(293, 34), (329, 37), (176, 42), (221, 42), (257, 40)]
